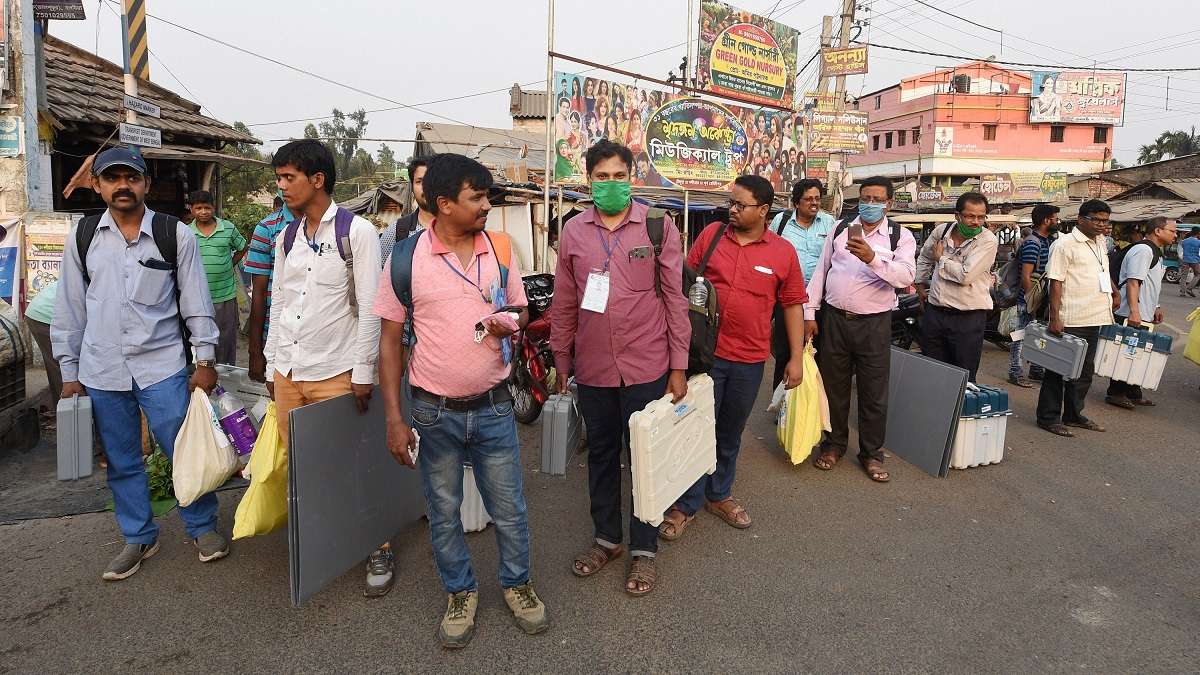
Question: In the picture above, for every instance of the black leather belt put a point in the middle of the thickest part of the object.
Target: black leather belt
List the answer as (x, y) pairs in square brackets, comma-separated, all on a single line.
[(953, 310), (851, 315), (497, 394)]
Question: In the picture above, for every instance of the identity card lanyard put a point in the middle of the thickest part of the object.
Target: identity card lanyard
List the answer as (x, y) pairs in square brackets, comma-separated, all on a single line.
[(1105, 281), (478, 283), (595, 295)]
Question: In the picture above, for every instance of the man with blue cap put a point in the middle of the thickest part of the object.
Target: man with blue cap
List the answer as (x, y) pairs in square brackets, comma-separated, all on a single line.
[(132, 304)]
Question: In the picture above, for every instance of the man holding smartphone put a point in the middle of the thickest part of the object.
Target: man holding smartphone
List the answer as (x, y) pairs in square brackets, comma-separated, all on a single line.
[(854, 287)]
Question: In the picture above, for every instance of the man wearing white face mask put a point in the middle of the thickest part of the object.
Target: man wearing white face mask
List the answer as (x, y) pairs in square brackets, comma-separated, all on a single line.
[(854, 287)]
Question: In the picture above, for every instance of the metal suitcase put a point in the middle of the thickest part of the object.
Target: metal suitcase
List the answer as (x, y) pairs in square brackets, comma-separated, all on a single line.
[(1132, 355), (671, 446), (1059, 354), (562, 429), (74, 438)]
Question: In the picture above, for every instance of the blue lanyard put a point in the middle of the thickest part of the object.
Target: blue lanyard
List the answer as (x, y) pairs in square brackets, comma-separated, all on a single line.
[(478, 283), (608, 251)]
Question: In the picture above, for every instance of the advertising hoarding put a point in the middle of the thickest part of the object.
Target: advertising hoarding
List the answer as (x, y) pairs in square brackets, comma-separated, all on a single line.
[(1077, 97)]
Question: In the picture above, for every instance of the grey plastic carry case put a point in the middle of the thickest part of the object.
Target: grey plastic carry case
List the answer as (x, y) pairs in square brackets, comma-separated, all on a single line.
[(1058, 354), (561, 432), (74, 438)]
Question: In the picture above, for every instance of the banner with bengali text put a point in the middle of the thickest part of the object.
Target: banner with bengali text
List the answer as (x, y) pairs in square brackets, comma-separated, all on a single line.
[(746, 56)]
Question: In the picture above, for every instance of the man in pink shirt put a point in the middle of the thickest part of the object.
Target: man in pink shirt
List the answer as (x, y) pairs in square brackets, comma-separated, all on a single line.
[(460, 405), (630, 343), (854, 287)]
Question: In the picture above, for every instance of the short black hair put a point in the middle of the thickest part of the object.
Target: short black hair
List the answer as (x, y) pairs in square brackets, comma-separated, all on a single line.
[(201, 197), (878, 181), (759, 187), (1092, 207), (1041, 212), (1156, 222), (805, 185), (1195, 231), (414, 164), (970, 198), (603, 149), (448, 173), (310, 157)]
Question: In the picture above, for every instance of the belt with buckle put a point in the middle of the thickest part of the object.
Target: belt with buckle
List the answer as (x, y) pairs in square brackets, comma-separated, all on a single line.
[(497, 394), (851, 315)]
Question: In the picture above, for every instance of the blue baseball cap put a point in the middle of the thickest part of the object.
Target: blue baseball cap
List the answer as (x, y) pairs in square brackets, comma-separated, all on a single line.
[(120, 156)]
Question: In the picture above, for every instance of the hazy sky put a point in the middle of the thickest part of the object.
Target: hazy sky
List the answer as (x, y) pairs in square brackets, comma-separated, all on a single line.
[(416, 52)]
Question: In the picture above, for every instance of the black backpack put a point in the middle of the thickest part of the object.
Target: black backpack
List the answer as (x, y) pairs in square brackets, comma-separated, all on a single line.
[(706, 324), (1117, 257), (164, 228)]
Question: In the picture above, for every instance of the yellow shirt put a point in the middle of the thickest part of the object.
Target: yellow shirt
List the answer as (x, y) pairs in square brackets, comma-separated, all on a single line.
[(1081, 264)]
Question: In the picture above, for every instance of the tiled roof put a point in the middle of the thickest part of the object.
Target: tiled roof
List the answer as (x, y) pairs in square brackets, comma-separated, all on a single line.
[(83, 88)]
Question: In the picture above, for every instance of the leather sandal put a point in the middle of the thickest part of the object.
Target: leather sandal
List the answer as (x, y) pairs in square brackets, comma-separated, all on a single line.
[(672, 526), (595, 558), (1059, 429), (641, 573), (733, 513)]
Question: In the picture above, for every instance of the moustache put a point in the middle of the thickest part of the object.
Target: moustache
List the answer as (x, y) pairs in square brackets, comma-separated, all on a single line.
[(124, 193)]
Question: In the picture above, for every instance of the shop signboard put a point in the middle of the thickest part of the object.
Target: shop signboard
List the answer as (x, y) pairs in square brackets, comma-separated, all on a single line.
[(842, 131), (839, 62), (696, 144), (746, 56)]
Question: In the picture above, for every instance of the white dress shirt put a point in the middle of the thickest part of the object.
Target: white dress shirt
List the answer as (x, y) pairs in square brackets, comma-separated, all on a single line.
[(315, 332)]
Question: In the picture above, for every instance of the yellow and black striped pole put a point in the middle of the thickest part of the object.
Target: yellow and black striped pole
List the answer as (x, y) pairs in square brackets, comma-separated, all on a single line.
[(137, 51)]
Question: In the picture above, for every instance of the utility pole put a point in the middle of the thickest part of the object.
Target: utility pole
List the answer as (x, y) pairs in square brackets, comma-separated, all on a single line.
[(837, 159), (834, 207)]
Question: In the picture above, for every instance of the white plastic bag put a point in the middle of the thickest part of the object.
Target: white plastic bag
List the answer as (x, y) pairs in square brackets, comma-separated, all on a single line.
[(777, 397), (203, 459)]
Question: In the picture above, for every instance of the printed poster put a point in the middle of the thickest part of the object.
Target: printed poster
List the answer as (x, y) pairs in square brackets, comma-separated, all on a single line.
[(943, 142), (696, 144), (1075, 96), (45, 237), (746, 56), (838, 131), (11, 138), (11, 233)]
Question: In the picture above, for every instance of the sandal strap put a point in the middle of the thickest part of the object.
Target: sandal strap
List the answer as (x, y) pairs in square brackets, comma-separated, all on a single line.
[(596, 557), (642, 571)]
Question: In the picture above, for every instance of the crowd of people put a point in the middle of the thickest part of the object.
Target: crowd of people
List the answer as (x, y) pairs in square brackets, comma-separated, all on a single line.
[(331, 314)]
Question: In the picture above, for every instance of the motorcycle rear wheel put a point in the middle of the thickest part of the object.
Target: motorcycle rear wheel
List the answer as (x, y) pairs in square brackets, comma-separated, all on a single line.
[(525, 407)]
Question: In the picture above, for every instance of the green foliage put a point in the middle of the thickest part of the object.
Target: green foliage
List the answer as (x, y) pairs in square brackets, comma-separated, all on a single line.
[(158, 473), (387, 160), (241, 182), (1170, 144), (245, 214)]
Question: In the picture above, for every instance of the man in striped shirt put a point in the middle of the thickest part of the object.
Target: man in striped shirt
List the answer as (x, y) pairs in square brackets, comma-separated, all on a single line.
[(1033, 253), (260, 263), (221, 249)]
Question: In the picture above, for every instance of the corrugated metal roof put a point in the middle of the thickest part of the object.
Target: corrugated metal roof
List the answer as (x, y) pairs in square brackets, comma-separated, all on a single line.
[(86, 89), (526, 104), (1184, 188), (1137, 210), (494, 148)]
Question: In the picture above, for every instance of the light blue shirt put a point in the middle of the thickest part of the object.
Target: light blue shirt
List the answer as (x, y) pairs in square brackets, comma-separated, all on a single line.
[(808, 241), (41, 308), (1189, 250), (123, 327)]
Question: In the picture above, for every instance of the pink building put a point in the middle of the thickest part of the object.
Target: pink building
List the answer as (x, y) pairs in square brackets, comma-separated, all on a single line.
[(967, 121)]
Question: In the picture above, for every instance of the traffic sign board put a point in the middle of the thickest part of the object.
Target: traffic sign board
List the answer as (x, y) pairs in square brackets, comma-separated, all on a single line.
[(141, 106), (131, 134)]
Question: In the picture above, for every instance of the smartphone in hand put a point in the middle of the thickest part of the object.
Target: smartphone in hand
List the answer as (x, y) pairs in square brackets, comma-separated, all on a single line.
[(855, 232)]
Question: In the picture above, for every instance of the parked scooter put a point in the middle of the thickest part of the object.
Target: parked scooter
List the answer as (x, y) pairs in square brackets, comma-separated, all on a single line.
[(530, 383)]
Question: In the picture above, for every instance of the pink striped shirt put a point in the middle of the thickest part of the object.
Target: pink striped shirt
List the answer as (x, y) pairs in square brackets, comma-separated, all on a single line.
[(857, 287)]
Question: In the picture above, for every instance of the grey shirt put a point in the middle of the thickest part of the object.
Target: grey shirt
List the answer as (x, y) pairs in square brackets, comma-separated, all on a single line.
[(1136, 265), (123, 328)]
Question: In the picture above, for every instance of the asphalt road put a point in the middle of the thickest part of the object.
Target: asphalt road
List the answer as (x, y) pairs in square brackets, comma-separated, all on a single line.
[(1071, 554)]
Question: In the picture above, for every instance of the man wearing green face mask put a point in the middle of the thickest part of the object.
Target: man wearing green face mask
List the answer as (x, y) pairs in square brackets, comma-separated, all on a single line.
[(954, 277)]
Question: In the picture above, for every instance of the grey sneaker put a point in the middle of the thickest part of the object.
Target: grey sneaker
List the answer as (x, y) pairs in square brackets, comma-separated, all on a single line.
[(129, 561), (458, 625), (212, 546), (380, 577), (527, 608)]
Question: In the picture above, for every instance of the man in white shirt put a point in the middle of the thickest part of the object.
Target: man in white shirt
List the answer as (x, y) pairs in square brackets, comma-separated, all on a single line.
[(324, 337)]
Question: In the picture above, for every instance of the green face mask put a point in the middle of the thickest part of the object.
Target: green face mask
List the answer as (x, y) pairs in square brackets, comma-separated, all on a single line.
[(611, 196), (967, 231)]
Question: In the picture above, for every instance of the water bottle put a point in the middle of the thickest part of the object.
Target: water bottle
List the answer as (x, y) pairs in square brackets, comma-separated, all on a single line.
[(698, 295), (235, 423)]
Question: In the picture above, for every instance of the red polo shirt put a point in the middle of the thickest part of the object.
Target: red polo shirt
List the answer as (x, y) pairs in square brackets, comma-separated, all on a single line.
[(749, 280)]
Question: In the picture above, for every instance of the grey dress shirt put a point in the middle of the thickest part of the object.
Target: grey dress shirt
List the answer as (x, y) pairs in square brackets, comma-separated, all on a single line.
[(123, 328)]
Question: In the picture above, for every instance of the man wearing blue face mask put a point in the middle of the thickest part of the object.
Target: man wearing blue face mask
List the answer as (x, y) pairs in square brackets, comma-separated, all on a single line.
[(854, 287)]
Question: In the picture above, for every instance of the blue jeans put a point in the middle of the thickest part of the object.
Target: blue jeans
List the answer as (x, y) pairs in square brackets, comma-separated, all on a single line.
[(735, 387), (117, 419), (487, 438), (1015, 366)]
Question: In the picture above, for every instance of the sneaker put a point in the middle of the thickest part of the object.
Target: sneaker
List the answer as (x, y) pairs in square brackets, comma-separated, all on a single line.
[(528, 610), (212, 546), (458, 626), (380, 578), (129, 561)]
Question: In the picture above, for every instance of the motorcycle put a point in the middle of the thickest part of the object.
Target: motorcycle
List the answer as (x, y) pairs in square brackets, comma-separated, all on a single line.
[(906, 324), (530, 384)]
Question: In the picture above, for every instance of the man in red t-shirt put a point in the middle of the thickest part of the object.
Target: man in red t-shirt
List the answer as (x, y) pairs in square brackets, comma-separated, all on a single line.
[(751, 268)]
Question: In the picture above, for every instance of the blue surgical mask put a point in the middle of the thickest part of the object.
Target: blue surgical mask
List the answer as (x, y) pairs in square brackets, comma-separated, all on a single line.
[(870, 213)]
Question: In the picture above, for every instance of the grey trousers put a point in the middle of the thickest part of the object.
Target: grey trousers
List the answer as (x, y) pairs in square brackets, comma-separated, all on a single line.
[(227, 323)]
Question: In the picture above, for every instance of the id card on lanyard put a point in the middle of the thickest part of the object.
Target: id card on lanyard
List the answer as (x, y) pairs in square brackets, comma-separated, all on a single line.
[(595, 294)]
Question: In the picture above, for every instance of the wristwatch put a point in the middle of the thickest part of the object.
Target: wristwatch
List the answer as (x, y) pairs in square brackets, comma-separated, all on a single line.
[(206, 363)]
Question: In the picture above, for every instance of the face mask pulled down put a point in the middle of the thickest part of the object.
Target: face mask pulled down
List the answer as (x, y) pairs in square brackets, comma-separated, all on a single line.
[(611, 196)]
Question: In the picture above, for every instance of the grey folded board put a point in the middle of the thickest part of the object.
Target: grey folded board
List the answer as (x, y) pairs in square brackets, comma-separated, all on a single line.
[(562, 429), (346, 494), (1062, 354), (74, 423), (924, 399)]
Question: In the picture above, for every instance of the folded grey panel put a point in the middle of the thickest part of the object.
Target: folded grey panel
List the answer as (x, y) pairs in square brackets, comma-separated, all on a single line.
[(924, 398), (346, 494)]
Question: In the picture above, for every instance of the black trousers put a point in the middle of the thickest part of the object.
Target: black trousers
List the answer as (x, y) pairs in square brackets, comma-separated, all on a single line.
[(781, 349), (859, 348), (1061, 399), (606, 412), (1123, 389), (953, 336)]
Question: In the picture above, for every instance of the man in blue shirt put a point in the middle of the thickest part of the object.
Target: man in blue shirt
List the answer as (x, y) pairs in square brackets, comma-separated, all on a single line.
[(117, 333), (1033, 253), (1189, 261), (805, 227), (260, 264)]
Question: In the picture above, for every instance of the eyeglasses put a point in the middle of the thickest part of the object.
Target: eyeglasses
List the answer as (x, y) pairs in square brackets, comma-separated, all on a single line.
[(873, 200), (735, 205), (1098, 221)]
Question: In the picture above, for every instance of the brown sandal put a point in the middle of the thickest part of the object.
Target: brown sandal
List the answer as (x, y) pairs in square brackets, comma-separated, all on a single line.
[(730, 511), (874, 471), (641, 572), (671, 528), (826, 460), (595, 558)]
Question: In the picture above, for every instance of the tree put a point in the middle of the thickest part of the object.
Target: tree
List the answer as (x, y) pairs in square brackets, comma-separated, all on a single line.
[(387, 160), (342, 133), (1169, 144), (239, 183), (362, 165)]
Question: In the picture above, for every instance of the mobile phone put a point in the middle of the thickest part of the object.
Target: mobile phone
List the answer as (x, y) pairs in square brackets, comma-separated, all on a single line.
[(855, 231)]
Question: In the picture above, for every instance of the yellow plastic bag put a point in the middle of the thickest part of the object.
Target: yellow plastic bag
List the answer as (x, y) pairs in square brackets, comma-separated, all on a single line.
[(264, 508), (1192, 351), (804, 412)]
